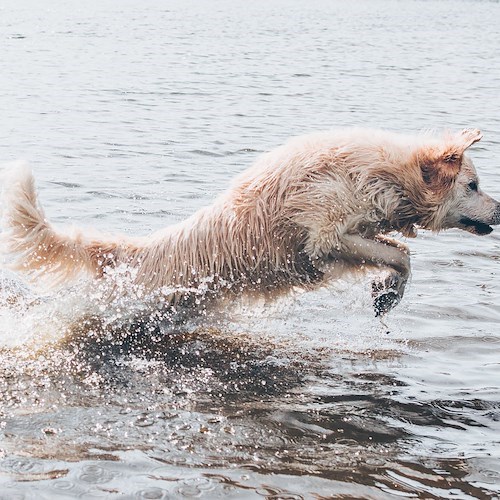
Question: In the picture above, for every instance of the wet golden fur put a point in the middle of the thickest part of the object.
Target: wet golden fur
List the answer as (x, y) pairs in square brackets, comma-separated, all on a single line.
[(311, 209)]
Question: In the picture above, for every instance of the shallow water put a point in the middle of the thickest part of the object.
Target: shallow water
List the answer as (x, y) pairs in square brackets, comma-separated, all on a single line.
[(135, 115)]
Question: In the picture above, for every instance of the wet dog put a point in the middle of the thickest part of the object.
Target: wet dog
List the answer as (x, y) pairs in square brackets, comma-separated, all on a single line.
[(311, 210)]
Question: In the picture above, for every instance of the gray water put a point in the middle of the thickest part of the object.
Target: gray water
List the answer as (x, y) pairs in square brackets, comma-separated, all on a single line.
[(135, 114)]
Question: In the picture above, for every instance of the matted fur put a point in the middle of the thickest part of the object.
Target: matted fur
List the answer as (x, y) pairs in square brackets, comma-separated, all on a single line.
[(319, 205)]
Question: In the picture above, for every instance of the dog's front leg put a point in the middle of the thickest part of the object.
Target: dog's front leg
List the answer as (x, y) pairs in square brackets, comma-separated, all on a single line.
[(388, 291), (383, 252)]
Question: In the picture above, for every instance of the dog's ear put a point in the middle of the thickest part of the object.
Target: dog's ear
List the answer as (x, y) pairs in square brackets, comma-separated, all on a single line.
[(440, 166), (458, 143), (468, 137), (455, 146)]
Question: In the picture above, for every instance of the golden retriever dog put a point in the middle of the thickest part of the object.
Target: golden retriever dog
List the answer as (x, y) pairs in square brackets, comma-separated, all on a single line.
[(313, 209)]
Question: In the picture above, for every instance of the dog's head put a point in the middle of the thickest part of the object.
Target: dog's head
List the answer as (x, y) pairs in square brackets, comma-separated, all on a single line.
[(450, 177)]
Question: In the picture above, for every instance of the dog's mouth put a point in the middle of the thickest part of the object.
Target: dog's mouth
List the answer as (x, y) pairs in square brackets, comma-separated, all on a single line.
[(475, 226)]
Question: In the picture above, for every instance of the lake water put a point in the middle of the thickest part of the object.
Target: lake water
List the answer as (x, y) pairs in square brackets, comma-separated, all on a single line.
[(135, 114)]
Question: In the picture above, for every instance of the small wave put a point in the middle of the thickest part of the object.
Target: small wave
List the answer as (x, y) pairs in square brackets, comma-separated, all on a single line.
[(204, 152), (66, 184)]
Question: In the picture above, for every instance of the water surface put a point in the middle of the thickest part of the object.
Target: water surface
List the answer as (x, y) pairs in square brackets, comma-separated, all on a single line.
[(135, 115)]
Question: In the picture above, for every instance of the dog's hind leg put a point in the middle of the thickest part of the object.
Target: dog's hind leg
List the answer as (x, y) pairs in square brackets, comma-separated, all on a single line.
[(384, 253)]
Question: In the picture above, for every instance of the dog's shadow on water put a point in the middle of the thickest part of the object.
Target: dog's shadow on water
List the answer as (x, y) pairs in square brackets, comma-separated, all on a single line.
[(178, 357)]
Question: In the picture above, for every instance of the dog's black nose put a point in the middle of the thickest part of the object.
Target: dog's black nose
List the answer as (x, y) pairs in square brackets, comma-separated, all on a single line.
[(496, 215)]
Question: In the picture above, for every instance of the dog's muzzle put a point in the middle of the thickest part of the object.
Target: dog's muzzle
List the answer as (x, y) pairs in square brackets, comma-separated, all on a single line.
[(481, 227), (475, 226)]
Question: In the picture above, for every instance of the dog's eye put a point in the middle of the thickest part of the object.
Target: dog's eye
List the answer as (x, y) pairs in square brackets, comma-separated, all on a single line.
[(473, 185)]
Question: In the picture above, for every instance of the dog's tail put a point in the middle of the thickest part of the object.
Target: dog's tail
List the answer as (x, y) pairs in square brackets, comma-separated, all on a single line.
[(33, 246)]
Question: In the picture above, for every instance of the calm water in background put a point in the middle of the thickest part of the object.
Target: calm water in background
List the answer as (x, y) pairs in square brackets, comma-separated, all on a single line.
[(133, 115)]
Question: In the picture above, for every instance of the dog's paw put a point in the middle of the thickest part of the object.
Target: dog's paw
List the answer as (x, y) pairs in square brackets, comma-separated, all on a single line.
[(387, 293), (385, 302)]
